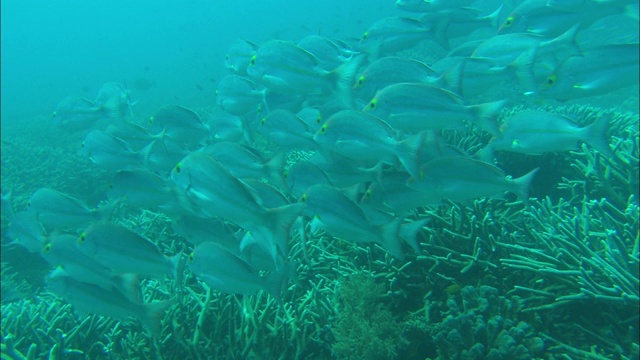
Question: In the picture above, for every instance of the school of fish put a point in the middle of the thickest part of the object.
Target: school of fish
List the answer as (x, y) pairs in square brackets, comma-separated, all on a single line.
[(337, 134)]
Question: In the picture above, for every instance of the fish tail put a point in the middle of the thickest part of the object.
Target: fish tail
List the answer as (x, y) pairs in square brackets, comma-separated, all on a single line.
[(176, 263), (344, 77), (486, 115), (486, 154), (129, 286), (277, 281), (566, 44), (452, 79), (409, 232), (439, 31), (521, 185), (280, 223), (494, 17), (152, 316), (390, 239), (275, 170), (595, 135), (408, 152), (522, 66)]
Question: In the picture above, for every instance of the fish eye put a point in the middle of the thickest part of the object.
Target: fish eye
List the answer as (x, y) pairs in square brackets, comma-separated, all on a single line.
[(323, 129), (319, 119), (365, 36), (46, 248), (253, 60), (373, 104), (55, 113), (82, 145), (508, 22), (551, 80), (303, 198), (82, 238), (191, 257), (150, 120), (515, 144), (361, 80), (177, 168), (264, 120)]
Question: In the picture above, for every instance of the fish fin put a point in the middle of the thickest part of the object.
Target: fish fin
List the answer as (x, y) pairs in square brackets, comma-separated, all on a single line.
[(390, 239), (152, 316), (487, 114), (344, 77), (595, 135), (521, 185), (409, 232), (408, 152), (281, 219)]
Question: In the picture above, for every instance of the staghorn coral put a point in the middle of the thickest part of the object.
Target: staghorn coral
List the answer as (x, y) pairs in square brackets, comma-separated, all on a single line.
[(364, 327)]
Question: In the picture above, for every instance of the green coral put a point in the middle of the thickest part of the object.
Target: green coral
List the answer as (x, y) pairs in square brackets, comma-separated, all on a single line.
[(365, 327)]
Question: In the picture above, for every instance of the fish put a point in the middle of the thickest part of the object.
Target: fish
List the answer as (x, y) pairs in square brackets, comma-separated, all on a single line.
[(61, 251), (389, 35), (431, 5), (390, 70), (211, 190), (552, 18), (391, 194), (114, 101), (112, 153), (136, 136), (91, 298), (124, 251), (24, 230), (161, 155), (330, 53), (286, 68), (344, 172), (225, 126), (601, 69), (56, 210), (7, 203), (520, 56), (343, 218), (238, 95), (415, 107), (180, 125), (76, 113), (287, 130), (303, 174), (239, 55), (460, 179), (198, 229), (226, 272), (141, 188), (245, 162), (535, 132), (361, 136)]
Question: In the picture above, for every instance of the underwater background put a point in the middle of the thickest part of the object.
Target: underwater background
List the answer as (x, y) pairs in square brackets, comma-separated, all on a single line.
[(550, 276)]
